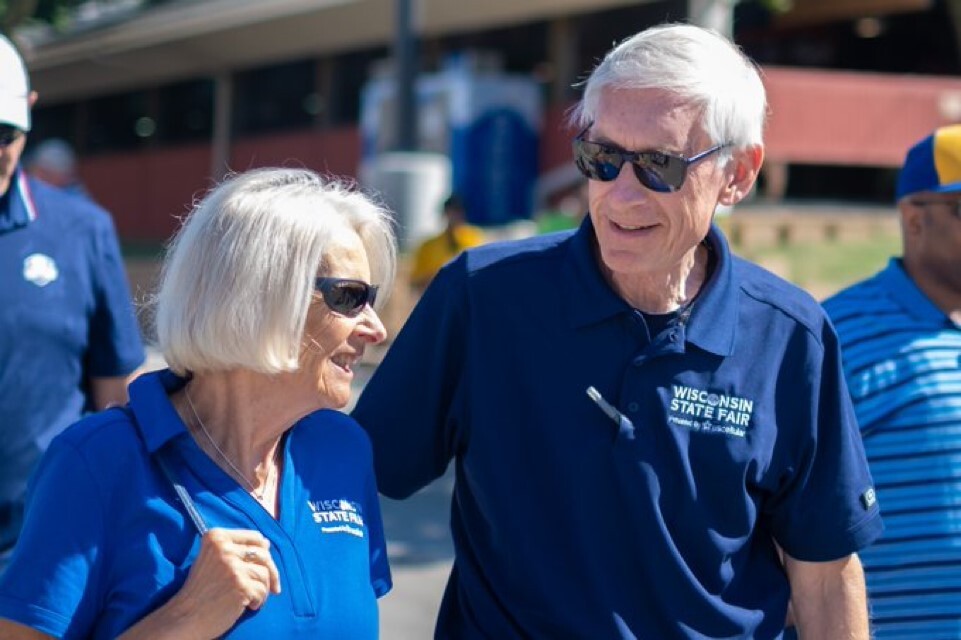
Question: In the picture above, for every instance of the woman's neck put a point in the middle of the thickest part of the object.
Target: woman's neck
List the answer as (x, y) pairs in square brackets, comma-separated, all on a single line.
[(237, 420)]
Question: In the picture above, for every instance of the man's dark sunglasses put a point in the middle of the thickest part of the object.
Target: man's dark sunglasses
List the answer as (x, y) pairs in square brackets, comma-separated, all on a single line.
[(954, 205), (8, 135), (345, 296), (657, 170)]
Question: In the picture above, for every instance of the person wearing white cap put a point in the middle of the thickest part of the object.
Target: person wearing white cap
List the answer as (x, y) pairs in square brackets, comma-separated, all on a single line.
[(69, 339)]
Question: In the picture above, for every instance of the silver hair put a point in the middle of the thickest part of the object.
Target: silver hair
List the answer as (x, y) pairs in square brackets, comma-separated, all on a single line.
[(238, 278), (696, 64), (53, 154)]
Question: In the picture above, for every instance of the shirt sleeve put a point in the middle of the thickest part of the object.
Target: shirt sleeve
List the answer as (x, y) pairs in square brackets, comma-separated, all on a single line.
[(380, 578), (52, 583), (826, 508), (115, 347), (408, 407)]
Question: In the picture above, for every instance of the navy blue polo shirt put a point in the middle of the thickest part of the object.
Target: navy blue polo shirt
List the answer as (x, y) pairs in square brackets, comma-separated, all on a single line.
[(737, 431), (65, 317), (106, 540)]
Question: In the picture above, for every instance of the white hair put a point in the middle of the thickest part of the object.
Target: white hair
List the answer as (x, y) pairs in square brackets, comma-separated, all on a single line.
[(239, 274), (53, 154), (693, 63)]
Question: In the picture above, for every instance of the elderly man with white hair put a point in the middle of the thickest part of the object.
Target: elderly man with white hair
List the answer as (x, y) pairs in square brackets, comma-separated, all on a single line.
[(651, 436)]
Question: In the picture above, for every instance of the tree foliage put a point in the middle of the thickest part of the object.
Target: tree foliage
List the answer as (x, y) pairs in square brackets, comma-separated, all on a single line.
[(56, 13), (15, 12)]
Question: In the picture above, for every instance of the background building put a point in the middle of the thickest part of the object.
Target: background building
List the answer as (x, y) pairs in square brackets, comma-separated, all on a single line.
[(160, 100)]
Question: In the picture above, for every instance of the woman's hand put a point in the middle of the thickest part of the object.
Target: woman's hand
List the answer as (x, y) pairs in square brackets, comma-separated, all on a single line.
[(234, 571)]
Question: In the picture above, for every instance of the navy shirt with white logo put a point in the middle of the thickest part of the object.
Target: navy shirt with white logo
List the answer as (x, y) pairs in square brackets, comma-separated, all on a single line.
[(735, 431)]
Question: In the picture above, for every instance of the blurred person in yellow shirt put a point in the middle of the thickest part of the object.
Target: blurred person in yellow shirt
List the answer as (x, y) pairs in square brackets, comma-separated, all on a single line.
[(438, 250)]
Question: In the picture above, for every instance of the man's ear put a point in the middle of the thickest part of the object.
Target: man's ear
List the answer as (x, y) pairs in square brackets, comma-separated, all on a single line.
[(32, 99), (741, 173)]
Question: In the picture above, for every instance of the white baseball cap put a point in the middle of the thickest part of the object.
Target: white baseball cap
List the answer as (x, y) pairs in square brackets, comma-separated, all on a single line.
[(14, 87)]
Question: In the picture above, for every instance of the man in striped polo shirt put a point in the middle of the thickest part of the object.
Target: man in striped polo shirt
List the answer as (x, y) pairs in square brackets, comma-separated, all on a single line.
[(900, 334)]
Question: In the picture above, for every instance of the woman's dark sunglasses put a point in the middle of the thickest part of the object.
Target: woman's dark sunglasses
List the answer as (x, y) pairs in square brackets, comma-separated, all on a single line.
[(345, 296), (657, 170)]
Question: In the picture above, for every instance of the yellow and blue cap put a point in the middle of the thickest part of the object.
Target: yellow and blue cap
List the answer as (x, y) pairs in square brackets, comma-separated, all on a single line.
[(933, 165)]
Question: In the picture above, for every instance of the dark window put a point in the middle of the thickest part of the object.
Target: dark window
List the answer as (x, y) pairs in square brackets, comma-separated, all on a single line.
[(350, 72), (185, 111), (117, 122), (274, 98), (917, 42), (598, 32), (58, 121), (515, 50), (519, 49), (822, 182)]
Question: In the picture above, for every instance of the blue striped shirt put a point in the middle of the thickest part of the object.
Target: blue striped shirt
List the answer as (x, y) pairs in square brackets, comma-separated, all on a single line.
[(902, 360)]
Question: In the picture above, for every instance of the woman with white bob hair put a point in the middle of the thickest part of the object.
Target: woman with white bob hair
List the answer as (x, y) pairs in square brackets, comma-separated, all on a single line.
[(227, 499)]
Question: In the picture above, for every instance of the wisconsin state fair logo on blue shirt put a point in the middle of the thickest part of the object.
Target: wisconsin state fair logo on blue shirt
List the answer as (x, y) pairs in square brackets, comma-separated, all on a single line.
[(40, 269), (338, 516), (708, 411)]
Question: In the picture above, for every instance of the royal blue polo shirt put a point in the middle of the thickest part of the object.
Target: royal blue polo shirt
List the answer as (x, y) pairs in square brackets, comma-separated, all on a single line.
[(736, 431), (106, 541), (65, 317)]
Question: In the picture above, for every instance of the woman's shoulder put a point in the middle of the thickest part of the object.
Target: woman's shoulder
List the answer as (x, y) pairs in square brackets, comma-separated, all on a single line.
[(107, 436), (331, 428), (96, 456)]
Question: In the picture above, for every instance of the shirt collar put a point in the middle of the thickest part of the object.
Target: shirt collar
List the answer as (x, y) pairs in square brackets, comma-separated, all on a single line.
[(17, 208), (157, 419), (590, 299), (907, 295), (714, 316)]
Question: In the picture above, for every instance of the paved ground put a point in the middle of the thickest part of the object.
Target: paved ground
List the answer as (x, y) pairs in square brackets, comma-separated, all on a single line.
[(418, 543)]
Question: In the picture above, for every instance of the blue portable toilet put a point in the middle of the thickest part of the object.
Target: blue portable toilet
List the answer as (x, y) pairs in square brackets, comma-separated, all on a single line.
[(487, 122)]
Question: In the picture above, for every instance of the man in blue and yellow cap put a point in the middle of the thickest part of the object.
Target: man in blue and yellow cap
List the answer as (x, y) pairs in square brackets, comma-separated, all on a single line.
[(900, 334)]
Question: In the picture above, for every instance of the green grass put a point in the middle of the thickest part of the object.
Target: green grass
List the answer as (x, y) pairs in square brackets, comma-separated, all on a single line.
[(825, 267)]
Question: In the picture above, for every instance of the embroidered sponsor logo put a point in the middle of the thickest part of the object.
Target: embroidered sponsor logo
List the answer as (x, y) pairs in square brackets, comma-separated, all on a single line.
[(700, 410), (40, 269), (868, 498), (338, 516)]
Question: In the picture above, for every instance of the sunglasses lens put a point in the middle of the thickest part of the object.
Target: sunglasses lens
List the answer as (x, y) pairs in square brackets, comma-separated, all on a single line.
[(347, 298), (8, 135), (596, 162), (651, 179), (660, 172)]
